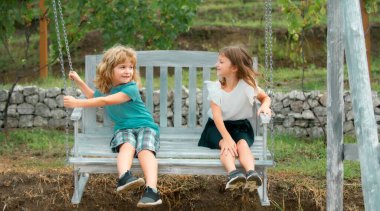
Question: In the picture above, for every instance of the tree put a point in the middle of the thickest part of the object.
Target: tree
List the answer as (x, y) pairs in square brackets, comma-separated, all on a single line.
[(302, 15), (142, 24), (15, 13)]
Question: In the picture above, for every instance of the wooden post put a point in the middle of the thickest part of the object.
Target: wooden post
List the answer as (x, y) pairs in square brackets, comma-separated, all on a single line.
[(365, 124), (43, 41), (367, 34), (335, 106)]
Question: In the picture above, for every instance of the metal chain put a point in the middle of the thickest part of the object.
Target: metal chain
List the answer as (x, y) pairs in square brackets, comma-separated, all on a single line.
[(65, 35), (63, 76), (269, 62)]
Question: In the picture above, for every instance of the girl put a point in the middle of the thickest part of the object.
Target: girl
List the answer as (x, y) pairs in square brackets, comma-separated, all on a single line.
[(228, 128), (135, 132)]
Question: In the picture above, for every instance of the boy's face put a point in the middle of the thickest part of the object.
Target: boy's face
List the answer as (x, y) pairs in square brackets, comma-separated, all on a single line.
[(122, 73)]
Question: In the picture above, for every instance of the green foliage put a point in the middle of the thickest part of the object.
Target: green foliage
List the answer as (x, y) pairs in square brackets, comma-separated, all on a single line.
[(371, 6), (152, 24), (15, 13), (301, 15)]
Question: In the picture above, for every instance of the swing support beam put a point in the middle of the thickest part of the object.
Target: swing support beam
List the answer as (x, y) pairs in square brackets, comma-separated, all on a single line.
[(350, 39), (43, 41)]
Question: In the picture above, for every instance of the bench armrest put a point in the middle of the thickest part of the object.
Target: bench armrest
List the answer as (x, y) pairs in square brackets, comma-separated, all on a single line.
[(77, 114), (265, 118)]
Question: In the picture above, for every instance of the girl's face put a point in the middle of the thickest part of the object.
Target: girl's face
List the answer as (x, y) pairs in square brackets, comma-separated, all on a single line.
[(122, 73), (224, 67)]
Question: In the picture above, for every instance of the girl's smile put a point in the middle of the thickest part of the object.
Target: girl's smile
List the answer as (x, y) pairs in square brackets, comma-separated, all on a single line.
[(122, 73)]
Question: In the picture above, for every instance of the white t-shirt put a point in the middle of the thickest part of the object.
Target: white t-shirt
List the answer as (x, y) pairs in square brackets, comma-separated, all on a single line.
[(236, 104)]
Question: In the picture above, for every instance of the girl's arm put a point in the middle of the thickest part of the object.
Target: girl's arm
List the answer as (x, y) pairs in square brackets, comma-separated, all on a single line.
[(265, 103), (87, 91), (227, 144), (71, 102)]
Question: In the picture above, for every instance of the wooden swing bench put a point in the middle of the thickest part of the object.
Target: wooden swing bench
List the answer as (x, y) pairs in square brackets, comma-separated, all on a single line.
[(179, 153)]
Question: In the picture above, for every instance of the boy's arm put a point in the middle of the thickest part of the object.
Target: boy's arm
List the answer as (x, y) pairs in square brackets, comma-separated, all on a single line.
[(227, 144), (71, 102)]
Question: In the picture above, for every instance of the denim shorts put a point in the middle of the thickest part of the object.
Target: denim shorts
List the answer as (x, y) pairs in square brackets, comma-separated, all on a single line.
[(140, 138)]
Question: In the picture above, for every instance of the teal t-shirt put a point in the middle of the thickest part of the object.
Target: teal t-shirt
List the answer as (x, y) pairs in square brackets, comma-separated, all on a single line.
[(130, 114)]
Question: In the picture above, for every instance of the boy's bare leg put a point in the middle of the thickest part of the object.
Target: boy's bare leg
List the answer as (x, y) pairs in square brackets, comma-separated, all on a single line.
[(245, 155), (125, 158), (149, 166)]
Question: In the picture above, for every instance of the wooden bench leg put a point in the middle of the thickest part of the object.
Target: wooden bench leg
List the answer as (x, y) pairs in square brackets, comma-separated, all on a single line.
[(263, 189), (80, 181)]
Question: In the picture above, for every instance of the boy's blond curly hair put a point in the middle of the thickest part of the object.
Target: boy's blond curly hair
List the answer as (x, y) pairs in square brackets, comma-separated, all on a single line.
[(111, 58)]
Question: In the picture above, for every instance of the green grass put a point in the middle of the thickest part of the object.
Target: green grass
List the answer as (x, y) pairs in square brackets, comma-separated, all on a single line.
[(284, 79), (37, 142), (307, 157), (301, 156)]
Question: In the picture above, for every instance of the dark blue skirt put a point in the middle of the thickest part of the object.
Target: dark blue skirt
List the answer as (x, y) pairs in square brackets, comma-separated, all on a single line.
[(238, 129)]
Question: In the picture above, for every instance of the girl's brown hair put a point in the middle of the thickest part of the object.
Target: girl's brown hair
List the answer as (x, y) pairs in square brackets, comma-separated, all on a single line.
[(111, 58), (240, 58)]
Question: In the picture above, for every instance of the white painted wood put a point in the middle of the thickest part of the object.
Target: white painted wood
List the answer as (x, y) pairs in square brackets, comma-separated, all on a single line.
[(335, 106), (149, 88), (206, 104), (79, 188), (192, 118), (163, 96), (177, 97), (179, 153), (173, 58), (77, 114), (365, 123), (89, 115), (350, 152)]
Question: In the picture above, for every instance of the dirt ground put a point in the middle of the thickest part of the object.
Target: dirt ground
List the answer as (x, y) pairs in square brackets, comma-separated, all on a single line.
[(24, 185)]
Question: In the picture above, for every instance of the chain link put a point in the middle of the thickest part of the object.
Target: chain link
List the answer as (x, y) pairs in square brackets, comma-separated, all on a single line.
[(65, 35), (269, 63), (63, 67)]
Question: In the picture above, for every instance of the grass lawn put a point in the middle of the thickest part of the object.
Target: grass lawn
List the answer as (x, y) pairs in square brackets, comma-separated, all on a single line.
[(46, 148)]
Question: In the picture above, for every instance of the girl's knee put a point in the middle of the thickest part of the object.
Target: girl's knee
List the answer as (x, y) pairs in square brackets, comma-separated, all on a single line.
[(242, 143), (126, 147), (145, 152), (226, 155)]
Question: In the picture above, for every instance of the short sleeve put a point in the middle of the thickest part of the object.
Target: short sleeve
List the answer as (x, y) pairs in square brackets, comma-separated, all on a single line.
[(252, 93), (214, 92), (97, 93), (131, 90)]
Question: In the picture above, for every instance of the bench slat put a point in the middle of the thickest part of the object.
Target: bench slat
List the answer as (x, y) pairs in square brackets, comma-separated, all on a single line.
[(205, 106), (177, 97), (192, 118), (163, 96), (149, 88)]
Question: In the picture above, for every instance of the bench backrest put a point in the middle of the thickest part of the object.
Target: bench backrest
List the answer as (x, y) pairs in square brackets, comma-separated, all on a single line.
[(156, 63)]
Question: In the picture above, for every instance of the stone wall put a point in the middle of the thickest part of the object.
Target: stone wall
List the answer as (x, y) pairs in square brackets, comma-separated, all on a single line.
[(295, 112)]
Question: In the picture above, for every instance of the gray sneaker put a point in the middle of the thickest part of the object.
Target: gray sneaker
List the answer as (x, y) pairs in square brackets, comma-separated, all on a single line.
[(253, 181), (150, 198), (236, 180), (129, 182)]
